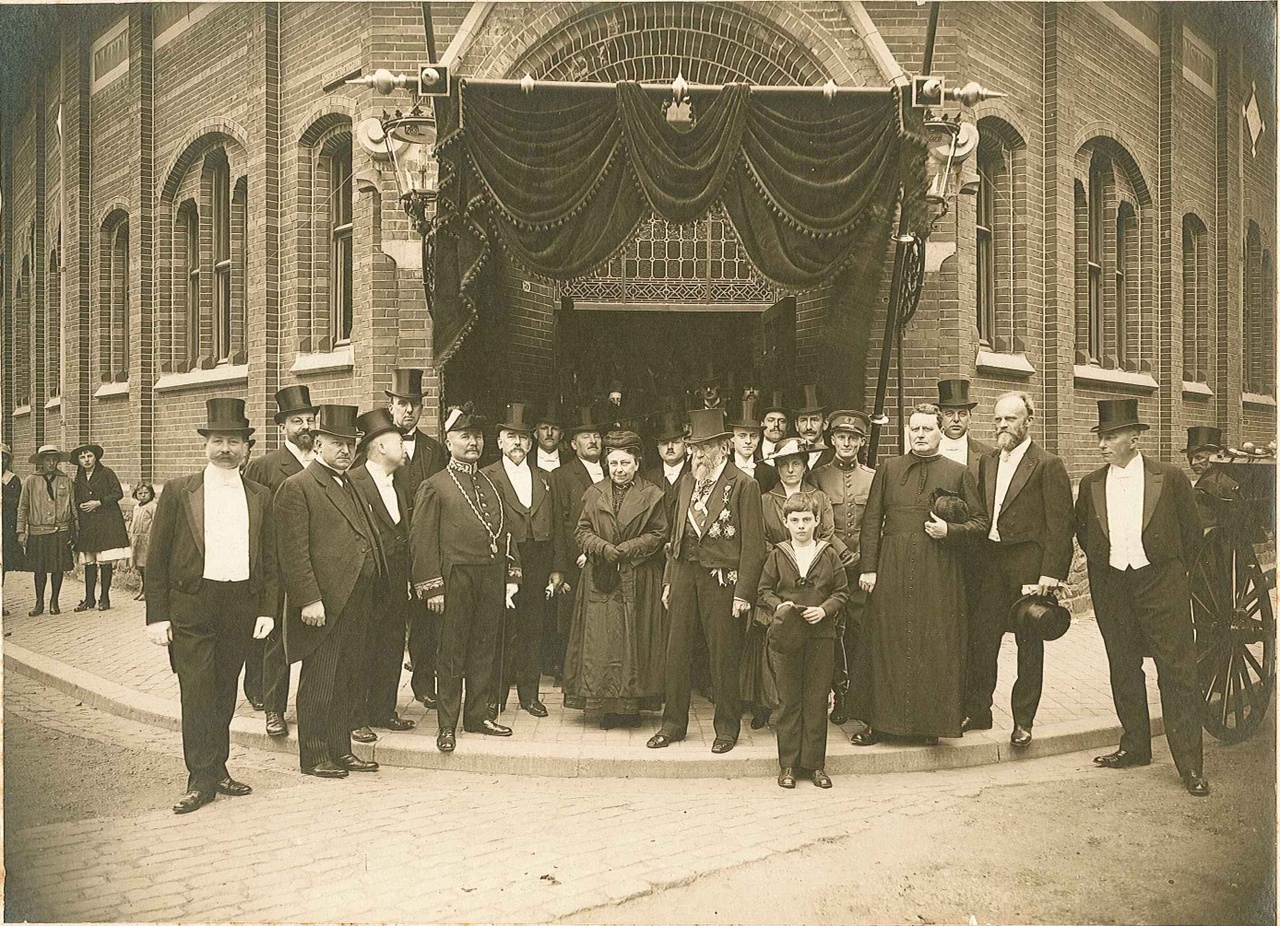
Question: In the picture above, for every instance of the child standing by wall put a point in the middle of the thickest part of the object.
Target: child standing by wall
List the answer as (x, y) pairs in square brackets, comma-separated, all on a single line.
[(140, 533)]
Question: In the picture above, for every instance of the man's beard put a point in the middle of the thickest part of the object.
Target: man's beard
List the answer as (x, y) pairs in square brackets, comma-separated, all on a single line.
[(705, 465), (1007, 440), (304, 440)]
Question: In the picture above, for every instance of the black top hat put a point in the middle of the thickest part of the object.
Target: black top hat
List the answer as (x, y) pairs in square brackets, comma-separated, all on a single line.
[(706, 424), (1203, 438), (550, 413), (224, 415), (96, 449), (405, 384), (584, 420), (746, 414), (778, 403), (1114, 414), (954, 393), (338, 421), (519, 417), (293, 400), (670, 426), (375, 422), (810, 403), (1040, 616), (464, 418)]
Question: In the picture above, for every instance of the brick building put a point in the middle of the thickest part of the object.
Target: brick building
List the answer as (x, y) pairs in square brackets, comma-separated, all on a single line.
[(193, 204)]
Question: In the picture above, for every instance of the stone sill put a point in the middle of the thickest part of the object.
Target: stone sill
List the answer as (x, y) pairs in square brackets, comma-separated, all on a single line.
[(195, 379), (1123, 379), (1006, 364), (1256, 399), (107, 390), (1196, 389), (55, 402), (22, 410), (340, 358)]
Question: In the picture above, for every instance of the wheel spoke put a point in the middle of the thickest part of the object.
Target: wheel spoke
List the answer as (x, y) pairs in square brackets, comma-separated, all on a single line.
[(1254, 664), (1228, 684)]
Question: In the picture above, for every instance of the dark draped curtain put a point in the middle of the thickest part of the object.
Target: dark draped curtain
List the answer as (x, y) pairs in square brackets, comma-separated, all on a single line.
[(560, 178)]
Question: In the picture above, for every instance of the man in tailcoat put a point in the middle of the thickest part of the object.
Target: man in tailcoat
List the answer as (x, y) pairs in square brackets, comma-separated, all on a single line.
[(295, 416), (374, 701), (211, 591), (713, 569), (957, 416), (1027, 494), (1137, 523), (811, 423), (331, 563), (467, 568), (549, 453), (530, 501), (673, 457)]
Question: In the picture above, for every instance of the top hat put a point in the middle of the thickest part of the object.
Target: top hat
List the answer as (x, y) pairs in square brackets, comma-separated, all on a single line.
[(950, 506), (224, 415), (375, 422), (777, 403), (465, 418), (847, 420), (1114, 414), (584, 420), (338, 421), (810, 403), (405, 384), (710, 375), (519, 418), (1203, 438), (791, 447), (291, 400), (746, 413), (95, 449), (44, 449), (1040, 616), (670, 426), (954, 393), (706, 424), (550, 413)]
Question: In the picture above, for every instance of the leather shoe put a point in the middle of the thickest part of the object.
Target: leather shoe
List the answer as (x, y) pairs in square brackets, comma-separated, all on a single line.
[(839, 715), (1121, 759), (970, 724), (233, 788), (446, 741), (427, 701), (821, 778), (867, 737), (489, 728), (258, 704), (364, 735), (353, 763), (786, 778), (662, 740), (396, 724), (326, 770), (1197, 786), (89, 606), (53, 608), (534, 707), (760, 718), (104, 604), (193, 800), (37, 611), (721, 746), (1020, 736), (276, 725)]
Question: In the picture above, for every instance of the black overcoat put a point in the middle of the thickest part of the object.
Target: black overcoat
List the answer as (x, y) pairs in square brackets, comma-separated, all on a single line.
[(103, 528)]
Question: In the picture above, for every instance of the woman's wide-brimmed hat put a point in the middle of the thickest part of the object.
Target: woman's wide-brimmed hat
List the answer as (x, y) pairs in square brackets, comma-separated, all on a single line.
[(1115, 414), (337, 421), (791, 447), (1203, 438), (293, 400), (95, 449), (46, 450), (706, 424), (225, 416)]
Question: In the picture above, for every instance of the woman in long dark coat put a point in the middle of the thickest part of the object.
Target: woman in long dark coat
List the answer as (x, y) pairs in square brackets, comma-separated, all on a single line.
[(11, 552), (616, 658), (102, 539), (913, 569)]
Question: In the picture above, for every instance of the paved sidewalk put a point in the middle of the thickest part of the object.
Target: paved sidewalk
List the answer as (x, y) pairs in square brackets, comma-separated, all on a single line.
[(105, 658)]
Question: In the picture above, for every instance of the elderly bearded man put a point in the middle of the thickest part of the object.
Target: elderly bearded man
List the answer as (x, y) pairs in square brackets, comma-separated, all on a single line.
[(713, 571), (211, 590)]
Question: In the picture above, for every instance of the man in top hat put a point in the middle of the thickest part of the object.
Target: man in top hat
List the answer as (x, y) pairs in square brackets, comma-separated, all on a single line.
[(1027, 495), (811, 424), (713, 568), (374, 701), (847, 483), (673, 456), (466, 567), (295, 417), (211, 591), (709, 392), (1137, 523), (548, 429), (331, 562), (745, 422), (528, 497), (957, 414), (1213, 486), (775, 424)]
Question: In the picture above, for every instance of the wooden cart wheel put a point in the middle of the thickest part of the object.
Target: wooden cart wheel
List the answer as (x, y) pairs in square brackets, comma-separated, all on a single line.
[(1235, 636)]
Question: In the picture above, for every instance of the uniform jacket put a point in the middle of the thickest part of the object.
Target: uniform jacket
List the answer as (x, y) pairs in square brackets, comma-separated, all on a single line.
[(325, 540), (1170, 522), (393, 537), (273, 469), (40, 514), (847, 487), (826, 585), (734, 503), (103, 528), (175, 564), (1036, 510), (537, 522), (568, 483)]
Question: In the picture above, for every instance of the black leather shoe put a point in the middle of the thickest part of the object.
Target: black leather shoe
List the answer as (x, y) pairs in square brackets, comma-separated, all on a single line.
[(489, 728), (53, 608), (786, 778), (821, 778), (427, 701), (233, 788), (364, 735), (88, 605), (258, 704), (104, 604), (1121, 759), (867, 737), (396, 724), (326, 770), (276, 725), (839, 715), (446, 741), (721, 746), (353, 763), (193, 800), (39, 609), (534, 707), (1020, 736), (1196, 785), (662, 740), (970, 724), (760, 718)]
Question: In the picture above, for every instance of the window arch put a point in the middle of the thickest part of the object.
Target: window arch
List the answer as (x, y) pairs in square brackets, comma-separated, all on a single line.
[(1195, 300), (187, 275), (999, 244), (53, 323), (113, 298), (326, 238)]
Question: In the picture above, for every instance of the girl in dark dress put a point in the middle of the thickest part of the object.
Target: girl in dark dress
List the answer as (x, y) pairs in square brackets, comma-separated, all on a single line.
[(102, 539), (11, 553)]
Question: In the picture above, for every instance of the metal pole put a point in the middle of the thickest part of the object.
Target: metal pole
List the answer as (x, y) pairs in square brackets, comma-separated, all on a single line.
[(690, 89)]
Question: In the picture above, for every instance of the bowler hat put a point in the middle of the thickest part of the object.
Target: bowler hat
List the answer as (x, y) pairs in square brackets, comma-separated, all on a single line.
[(810, 402), (225, 415), (670, 426), (95, 449), (778, 403), (786, 633), (954, 393), (746, 414), (465, 418), (1114, 414), (518, 418), (338, 421), (1203, 438), (584, 420), (46, 449), (293, 400), (846, 420), (1040, 616), (405, 384), (706, 424), (375, 422)]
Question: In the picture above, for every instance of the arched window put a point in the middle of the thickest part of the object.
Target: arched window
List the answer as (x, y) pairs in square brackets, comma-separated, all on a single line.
[(1195, 300), (1258, 315), (337, 162), (1097, 193), (1127, 293), (113, 299), (53, 325), (325, 238), (187, 242), (23, 341)]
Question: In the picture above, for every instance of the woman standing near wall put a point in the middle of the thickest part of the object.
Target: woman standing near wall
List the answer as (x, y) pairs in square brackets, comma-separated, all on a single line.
[(102, 540)]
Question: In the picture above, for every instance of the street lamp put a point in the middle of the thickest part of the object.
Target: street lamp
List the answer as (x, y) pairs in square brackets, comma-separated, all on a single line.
[(411, 160)]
